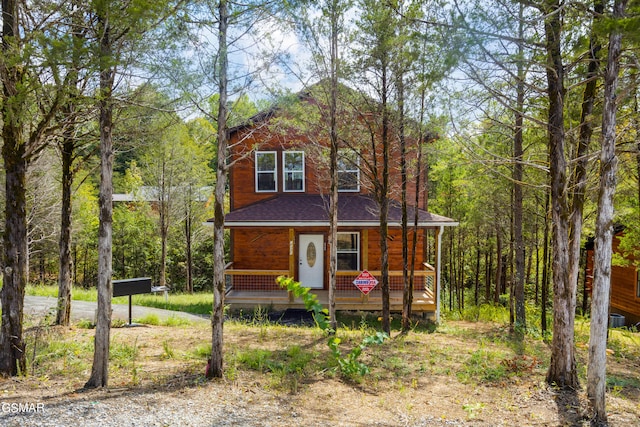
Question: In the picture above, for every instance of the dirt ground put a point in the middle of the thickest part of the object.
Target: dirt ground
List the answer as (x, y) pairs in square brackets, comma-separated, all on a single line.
[(421, 379)]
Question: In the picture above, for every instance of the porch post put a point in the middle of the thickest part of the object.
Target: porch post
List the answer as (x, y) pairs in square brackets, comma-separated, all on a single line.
[(292, 258), (364, 244), (365, 249), (438, 265)]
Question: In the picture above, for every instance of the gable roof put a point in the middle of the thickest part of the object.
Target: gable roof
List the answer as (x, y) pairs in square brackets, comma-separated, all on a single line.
[(307, 94), (308, 210)]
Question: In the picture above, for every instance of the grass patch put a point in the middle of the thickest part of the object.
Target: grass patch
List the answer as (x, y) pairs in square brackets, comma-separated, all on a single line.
[(202, 351), (286, 368), (614, 381), (123, 355), (49, 353), (79, 294), (200, 303), (154, 319), (483, 366), (625, 344), (149, 319), (286, 358)]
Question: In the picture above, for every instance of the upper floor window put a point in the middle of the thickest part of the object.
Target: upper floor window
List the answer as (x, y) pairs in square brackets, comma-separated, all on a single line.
[(348, 171), (266, 178), (293, 170), (348, 249)]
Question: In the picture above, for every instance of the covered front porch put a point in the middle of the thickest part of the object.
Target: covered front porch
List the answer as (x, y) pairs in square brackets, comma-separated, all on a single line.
[(288, 236), (247, 289)]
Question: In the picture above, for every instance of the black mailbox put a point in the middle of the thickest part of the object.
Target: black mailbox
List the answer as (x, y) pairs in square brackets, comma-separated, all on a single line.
[(140, 285)]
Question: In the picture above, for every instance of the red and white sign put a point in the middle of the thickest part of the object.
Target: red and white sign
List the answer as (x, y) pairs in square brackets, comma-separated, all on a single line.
[(365, 282)]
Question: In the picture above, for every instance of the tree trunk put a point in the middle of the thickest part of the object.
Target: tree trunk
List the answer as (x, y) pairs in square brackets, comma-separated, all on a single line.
[(416, 215), (562, 369), (189, 255), (496, 295), (386, 309), (537, 251), (384, 206), (333, 168), (100, 369), (65, 274), (636, 125), (217, 319), (461, 263), (518, 285), (407, 290), (488, 268), (163, 219), (596, 371), (12, 346), (579, 177), (476, 280), (452, 273), (63, 315)]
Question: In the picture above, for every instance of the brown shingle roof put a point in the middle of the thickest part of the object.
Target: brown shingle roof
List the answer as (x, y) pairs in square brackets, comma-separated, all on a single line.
[(312, 209)]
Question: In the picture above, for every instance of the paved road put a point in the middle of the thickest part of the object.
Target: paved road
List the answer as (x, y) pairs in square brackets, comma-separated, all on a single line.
[(84, 310)]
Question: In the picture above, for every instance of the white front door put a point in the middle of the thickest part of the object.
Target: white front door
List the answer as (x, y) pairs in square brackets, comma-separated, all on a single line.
[(311, 260)]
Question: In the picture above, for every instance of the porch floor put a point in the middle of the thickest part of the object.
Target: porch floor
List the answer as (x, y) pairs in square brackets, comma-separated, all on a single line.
[(423, 301)]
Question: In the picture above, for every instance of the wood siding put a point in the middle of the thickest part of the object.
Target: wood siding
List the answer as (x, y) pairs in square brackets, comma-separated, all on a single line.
[(243, 170), (395, 249), (269, 249), (243, 173), (624, 299), (264, 248)]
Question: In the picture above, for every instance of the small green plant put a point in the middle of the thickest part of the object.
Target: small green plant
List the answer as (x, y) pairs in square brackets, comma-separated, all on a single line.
[(472, 408), (85, 324), (167, 351), (349, 366), (311, 303)]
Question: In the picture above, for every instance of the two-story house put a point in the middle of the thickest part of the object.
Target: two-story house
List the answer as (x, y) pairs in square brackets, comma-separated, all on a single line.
[(279, 224)]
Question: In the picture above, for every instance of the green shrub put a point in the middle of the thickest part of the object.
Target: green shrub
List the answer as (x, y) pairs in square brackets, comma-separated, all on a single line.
[(349, 366)]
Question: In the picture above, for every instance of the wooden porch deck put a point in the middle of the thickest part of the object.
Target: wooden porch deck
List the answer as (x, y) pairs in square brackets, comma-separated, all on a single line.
[(423, 300)]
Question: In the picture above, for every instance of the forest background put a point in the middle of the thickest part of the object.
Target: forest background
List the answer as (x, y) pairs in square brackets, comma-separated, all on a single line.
[(508, 87), (165, 145)]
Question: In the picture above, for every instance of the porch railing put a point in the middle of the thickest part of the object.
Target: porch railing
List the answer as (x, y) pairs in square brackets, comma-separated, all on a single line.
[(252, 280), (265, 280)]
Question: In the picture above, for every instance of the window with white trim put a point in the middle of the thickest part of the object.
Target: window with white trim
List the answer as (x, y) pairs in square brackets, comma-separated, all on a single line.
[(348, 251), (266, 177), (293, 170), (348, 171)]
